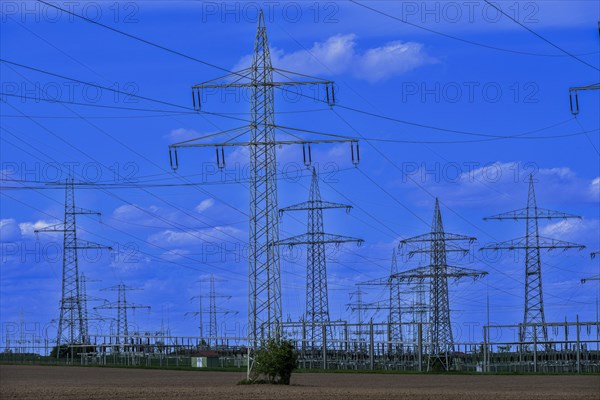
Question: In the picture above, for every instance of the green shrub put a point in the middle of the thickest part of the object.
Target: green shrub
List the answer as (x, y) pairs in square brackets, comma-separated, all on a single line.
[(276, 361)]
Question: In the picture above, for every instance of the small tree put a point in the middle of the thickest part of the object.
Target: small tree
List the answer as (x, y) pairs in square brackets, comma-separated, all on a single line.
[(277, 361)]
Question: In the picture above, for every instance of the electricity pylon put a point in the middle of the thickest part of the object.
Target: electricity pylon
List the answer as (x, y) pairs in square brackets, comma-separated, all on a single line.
[(395, 337), (84, 308), (359, 307), (315, 239), (83, 280), (534, 328), (435, 244), (72, 325), (121, 305), (85, 298), (213, 310), (264, 297)]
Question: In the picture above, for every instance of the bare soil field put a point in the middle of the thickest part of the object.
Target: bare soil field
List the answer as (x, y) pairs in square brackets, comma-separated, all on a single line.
[(40, 382)]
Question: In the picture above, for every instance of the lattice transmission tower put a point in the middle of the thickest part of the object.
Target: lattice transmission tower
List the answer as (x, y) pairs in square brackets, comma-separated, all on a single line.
[(437, 244), (85, 298), (121, 305), (213, 310), (395, 335), (358, 307), (264, 301), (534, 328), (316, 239), (72, 323)]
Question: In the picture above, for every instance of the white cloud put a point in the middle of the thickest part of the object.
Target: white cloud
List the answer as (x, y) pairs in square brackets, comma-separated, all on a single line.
[(394, 58), (195, 237), (572, 229), (28, 228), (339, 54), (594, 188), (134, 212), (137, 215), (205, 205), (182, 134), (499, 183), (562, 172)]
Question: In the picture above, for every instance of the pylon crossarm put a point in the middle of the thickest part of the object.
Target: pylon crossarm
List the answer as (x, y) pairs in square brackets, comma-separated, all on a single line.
[(591, 278), (187, 143), (514, 214), (81, 211), (51, 228), (593, 86), (522, 213), (432, 236), (460, 272), (545, 213), (257, 143), (306, 238), (109, 305), (256, 84), (225, 80), (314, 205), (412, 274), (429, 250), (378, 305), (84, 244), (285, 129), (522, 244), (433, 271), (385, 281), (286, 73)]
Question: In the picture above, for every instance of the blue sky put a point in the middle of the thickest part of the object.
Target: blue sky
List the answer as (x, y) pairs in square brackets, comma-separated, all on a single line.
[(166, 236)]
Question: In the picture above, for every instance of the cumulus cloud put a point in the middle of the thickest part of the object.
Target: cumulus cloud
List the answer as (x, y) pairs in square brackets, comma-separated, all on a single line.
[(182, 134), (137, 215), (340, 54), (194, 237), (572, 229), (205, 205), (28, 228), (594, 188), (499, 183)]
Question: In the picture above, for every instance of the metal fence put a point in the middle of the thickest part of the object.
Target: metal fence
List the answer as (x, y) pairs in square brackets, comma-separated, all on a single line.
[(571, 347)]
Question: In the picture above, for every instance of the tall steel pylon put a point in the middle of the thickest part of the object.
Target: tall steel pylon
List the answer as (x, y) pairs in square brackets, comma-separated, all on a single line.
[(121, 305), (437, 244), (359, 307), (533, 329), (84, 308), (264, 299), (213, 310), (315, 239), (395, 318), (85, 298), (72, 324), (395, 336)]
